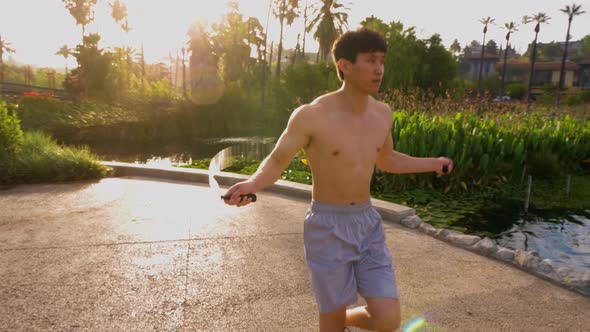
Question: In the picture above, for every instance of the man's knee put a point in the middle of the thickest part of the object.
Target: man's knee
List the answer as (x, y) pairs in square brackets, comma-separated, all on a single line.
[(386, 322), (385, 315)]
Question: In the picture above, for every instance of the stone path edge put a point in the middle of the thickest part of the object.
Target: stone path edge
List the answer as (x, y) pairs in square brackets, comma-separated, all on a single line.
[(528, 261)]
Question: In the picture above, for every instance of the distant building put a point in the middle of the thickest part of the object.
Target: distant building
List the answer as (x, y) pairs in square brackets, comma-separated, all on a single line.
[(577, 73), (489, 63)]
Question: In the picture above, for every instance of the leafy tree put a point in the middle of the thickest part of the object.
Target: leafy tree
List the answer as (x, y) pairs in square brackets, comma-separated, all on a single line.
[(455, 47), (550, 51), (82, 11), (572, 11), (402, 65), (286, 11), (539, 19), (375, 24), (586, 46), (230, 41), (3, 49), (441, 68), (118, 11), (329, 19), (94, 65), (492, 47)]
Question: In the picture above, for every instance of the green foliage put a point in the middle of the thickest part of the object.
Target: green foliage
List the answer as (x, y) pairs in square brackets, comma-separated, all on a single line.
[(573, 100), (43, 160), (486, 150), (411, 62), (94, 68), (585, 95), (516, 90), (11, 139), (549, 93), (305, 82), (232, 41), (198, 164), (81, 10)]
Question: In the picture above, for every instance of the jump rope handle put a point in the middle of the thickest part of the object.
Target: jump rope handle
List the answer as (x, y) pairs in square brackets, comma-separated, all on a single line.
[(242, 197)]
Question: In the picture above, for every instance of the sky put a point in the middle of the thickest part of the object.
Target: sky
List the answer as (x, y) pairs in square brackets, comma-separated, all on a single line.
[(38, 28)]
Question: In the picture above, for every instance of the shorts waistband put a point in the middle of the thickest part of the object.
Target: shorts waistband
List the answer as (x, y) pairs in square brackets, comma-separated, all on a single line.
[(343, 209)]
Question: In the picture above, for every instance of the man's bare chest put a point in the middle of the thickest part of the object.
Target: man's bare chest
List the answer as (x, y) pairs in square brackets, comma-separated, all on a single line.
[(349, 140)]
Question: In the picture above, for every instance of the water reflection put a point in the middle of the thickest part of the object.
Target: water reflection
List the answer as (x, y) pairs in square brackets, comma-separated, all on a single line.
[(177, 153), (560, 235)]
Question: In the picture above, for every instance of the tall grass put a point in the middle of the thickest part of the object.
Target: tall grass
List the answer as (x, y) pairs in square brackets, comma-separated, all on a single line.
[(41, 159)]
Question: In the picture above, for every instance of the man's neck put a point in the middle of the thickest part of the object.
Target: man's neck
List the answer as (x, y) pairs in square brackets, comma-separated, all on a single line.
[(357, 99)]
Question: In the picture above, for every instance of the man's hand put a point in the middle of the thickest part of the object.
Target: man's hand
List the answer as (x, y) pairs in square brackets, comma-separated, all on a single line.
[(444, 166), (241, 188)]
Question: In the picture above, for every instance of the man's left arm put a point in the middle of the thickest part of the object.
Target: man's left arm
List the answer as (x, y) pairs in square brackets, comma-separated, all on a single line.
[(392, 161)]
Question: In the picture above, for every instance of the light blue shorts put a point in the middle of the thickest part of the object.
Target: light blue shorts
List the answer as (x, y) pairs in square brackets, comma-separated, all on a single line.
[(346, 254)]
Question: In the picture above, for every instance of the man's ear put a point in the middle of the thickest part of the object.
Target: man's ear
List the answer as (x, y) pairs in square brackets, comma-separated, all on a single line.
[(344, 65)]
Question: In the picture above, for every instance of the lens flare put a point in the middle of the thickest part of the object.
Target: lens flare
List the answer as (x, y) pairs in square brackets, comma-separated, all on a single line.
[(415, 324)]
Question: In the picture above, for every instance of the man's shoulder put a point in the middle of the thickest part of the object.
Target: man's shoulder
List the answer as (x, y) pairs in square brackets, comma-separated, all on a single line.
[(381, 106)]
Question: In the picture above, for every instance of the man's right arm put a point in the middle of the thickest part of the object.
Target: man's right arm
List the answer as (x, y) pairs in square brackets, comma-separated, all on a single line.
[(294, 137)]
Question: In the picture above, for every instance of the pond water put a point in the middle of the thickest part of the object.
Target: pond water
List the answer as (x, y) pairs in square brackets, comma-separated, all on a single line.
[(561, 235)]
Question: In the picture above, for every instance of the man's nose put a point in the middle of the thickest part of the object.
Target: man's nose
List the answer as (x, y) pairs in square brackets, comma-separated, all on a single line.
[(379, 70)]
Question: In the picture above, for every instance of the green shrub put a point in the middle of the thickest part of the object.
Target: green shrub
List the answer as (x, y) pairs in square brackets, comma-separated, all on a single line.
[(585, 94), (11, 139), (549, 93), (516, 90), (41, 159), (573, 100)]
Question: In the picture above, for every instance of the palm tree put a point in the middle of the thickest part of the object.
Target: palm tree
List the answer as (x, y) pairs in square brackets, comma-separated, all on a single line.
[(511, 28), (539, 19), (329, 21), (485, 22), (3, 48), (65, 51), (572, 11), (305, 16), (284, 10)]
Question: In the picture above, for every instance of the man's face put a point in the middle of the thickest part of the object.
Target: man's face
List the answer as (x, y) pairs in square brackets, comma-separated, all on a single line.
[(367, 71)]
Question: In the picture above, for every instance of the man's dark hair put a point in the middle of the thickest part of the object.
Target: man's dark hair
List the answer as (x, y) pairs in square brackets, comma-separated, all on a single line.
[(351, 43)]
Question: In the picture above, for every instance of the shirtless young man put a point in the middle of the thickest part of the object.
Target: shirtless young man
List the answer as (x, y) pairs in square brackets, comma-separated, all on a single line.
[(345, 134)]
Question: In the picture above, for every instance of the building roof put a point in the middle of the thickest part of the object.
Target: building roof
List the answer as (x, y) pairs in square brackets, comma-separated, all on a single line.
[(477, 56), (541, 65)]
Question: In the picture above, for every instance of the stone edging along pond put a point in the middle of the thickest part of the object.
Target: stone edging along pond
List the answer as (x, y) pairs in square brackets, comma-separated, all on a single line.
[(529, 261)]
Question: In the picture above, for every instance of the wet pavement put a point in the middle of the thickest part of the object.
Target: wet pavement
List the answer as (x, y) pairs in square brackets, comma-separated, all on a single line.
[(138, 254)]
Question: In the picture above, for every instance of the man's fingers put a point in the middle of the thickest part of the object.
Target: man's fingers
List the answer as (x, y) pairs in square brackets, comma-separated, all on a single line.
[(245, 201)]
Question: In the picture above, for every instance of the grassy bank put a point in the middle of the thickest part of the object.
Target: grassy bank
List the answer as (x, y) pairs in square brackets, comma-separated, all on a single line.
[(41, 159), (33, 157)]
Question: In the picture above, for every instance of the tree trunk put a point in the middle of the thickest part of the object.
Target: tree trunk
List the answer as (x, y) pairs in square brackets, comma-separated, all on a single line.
[(562, 71), (1, 68), (280, 52), (483, 45), (532, 76), (504, 68)]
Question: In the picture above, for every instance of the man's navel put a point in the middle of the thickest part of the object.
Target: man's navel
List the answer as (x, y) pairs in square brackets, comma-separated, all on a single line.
[(335, 153)]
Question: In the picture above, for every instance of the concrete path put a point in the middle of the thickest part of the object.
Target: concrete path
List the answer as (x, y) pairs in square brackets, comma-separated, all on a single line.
[(136, 254)]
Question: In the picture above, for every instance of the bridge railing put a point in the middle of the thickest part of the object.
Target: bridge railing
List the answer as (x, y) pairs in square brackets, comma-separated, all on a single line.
[(17, 90)]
